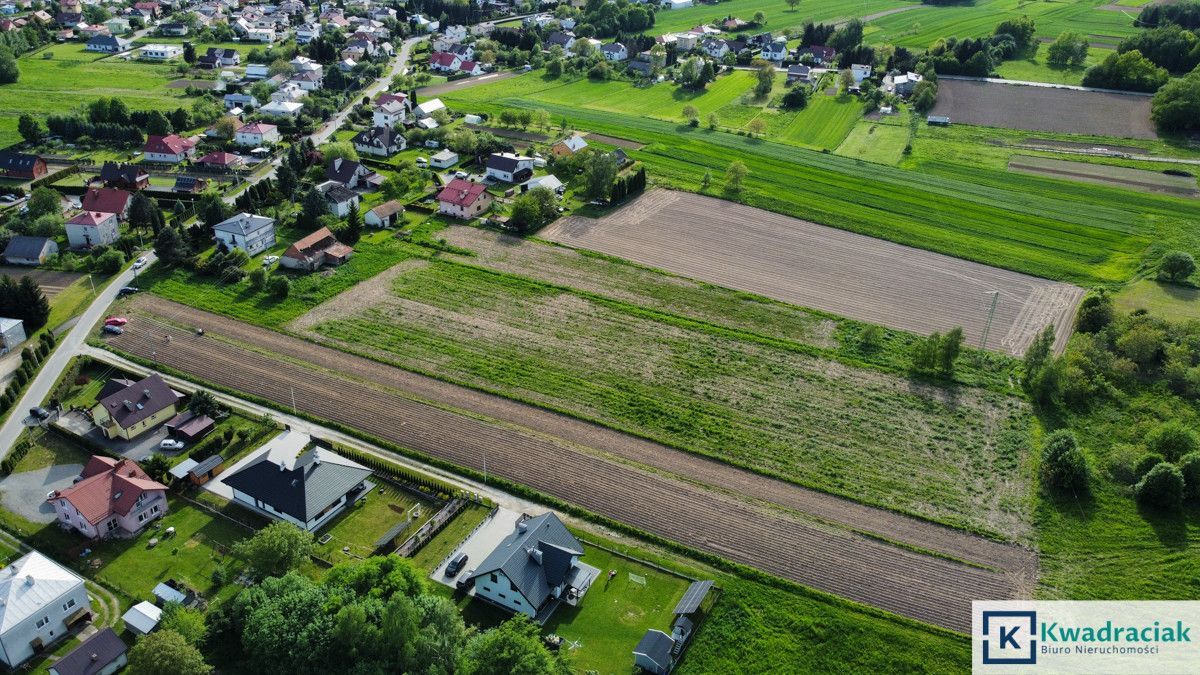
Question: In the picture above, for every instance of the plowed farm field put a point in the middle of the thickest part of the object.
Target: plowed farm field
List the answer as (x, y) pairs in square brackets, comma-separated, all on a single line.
[(809, 537), (812, 265)]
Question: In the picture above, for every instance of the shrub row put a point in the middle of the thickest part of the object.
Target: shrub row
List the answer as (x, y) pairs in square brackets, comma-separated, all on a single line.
[(31, 357), (19, 450)]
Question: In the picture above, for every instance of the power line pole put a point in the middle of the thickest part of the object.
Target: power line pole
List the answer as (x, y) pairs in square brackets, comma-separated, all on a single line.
[(987, 327)]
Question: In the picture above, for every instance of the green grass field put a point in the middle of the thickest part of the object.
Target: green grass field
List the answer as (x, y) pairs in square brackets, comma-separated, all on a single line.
[(72, 78), (1035, 68), (923, 26), (362, 524), (779, 15), (657, 375), (871, 141), (1178, 302)]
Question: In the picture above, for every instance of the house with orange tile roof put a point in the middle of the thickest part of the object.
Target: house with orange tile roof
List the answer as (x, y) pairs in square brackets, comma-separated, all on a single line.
[(113, 497)]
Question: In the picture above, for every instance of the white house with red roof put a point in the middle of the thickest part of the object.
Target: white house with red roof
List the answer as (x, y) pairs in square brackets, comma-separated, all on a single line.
[(92, 228), (445, 62), (114, 497), (173, 148), (464, 199), (470, 68), (107, 200), (256, 134), (220, 160)]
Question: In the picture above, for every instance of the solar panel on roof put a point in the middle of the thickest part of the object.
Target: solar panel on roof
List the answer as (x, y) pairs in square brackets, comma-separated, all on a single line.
[(694, 595)]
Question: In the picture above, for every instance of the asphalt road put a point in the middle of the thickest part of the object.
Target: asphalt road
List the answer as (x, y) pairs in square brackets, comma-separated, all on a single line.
[(69, 344)]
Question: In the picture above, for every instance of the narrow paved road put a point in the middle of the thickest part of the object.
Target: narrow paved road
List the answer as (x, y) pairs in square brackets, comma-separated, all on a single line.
[(68, 345)]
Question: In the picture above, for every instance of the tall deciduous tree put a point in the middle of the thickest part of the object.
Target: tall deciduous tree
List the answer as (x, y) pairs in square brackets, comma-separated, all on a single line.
[(165, 652), (276, 549)]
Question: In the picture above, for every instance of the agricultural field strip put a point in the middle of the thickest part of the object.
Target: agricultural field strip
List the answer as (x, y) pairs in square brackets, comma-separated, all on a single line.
[(810, 265), (840, 562), (1116, 176)]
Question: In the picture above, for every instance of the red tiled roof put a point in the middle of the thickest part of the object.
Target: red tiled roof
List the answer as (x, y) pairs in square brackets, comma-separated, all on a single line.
[(219, 158), (461, 192), (106, 200), (257, 128), (442, 59), (109, 486), (91, 218), (319, 240), (168, 145), (467, 66), (388, 98)]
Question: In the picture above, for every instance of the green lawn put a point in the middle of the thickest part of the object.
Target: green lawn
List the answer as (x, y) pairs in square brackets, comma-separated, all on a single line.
[(614, 614), (362, 524), (1181, 303), (72, 78), (1035, 68), (435, 551), (779, 16), (881, 142)]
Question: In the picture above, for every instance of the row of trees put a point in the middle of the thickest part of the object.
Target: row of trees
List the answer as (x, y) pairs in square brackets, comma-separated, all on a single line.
[(24, 300)]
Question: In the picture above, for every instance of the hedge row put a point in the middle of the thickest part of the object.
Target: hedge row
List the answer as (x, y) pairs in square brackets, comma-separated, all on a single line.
[(18, 452), (31, 357)]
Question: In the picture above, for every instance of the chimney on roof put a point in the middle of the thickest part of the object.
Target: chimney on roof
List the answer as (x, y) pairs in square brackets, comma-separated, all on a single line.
[(536, 554), (29, 579), (95, 656), (146, 393), (282, 466), (521, 526)]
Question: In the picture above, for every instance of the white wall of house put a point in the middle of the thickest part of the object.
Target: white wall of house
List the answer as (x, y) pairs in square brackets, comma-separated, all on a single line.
[(154, 505), (253, 242), (80, 236), (165, 157), (312, 525), (501, 592), (465, 212), (15, 642)]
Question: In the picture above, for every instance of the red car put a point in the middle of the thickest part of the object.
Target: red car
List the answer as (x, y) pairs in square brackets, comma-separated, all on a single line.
[(116, 321)]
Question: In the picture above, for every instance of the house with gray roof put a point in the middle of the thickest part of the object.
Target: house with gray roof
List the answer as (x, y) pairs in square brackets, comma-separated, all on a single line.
[(40, 601), (654, 652), (250, 232), (535, 569), (291, 478), (26, 250), (101, 654)]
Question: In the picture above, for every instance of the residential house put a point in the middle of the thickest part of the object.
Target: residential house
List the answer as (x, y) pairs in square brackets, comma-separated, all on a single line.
[(153, 9), (379, 141), (549, 182), (107, 44), (244, 101), (389, 114), (350, 173), (306, 33), (256, 134), (189, 184), (510, 168), (568, 146), (25, 250), (172, 148), (715, 48), (655, 652), (92, 228), (464, 199), (464, 52), (423, 25), (614, 51), (444, 159), (127, 409), (107, 200), (40, 601), (860, 72), (776, 51), (346, 65), (282, 108), (12, 333), (317, 249), (263, 35), (199, 473), (249, 232), (220, 160), (124, 176), (173, 29), (102, 654), (218, 57), (294, 480), (534, 569), (308, 80), (641, 68), (427, 108), (386, 214), (820, 54), (471, 68), (455, 33), (444, 62), (21, 165), (560, 38), (112, 498), (905, 83), (798, 73), (160, 52)]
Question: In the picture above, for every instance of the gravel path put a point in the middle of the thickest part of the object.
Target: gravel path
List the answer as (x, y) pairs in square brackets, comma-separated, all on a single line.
[(25, 493), (803, 535)]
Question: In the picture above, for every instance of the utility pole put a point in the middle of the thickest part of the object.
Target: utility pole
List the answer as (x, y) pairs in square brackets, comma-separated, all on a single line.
[(293, 400), (987, 327)]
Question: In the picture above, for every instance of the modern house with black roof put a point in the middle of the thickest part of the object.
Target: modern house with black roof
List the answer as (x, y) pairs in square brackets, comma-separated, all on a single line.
[(292, 479), (510, 168), (21, 165), (101, 654), (535, 569), (124, 176)]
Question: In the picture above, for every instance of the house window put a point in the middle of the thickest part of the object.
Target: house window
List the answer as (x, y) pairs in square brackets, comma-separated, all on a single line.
[(43, 621), (69, 604), (502, 596), (493, 578), (487, 589), (155, 509)]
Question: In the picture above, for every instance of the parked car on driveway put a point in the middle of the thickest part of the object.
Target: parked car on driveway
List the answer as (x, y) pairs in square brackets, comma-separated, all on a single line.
[(170, 444), (114, 330), (270, 260), (465, 582), (456, 566), (38, 412), (127, 290), (116, 321)]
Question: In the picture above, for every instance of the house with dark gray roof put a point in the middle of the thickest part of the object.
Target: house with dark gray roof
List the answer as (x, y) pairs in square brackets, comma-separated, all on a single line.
[(291, 478), (653, 652), (379, 141), (535, 569), (127, 409), (101, 654), (25, 250)]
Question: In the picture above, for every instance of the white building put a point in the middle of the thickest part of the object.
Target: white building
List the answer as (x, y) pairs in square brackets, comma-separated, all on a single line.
[(12, 334), (39, 601), (157, 52), (388, 114), (510, 168), (142, 618), (282, 108), (860, 72), (92, 228), (428, 108), (290, 481), (256, 134), (444, 159), (251, 233)]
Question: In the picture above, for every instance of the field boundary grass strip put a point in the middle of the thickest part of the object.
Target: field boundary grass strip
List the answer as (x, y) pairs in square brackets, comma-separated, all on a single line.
[(718, 562)]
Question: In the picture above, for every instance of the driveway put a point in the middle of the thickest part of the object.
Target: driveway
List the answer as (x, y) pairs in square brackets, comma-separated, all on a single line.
[(76, 423), (479, 545), (25, 493)]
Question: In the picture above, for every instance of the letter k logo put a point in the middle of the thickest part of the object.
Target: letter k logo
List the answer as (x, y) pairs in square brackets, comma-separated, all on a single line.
[(1012, 628)]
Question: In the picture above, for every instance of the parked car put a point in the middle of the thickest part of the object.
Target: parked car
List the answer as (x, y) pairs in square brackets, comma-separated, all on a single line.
[(139, 263), (114, 330), (456, 566), (127, 290), (170, 444), (39, 412), (116, 321), (270, 260), (8, 199), (422, 162), (465, 582), (460, 174)]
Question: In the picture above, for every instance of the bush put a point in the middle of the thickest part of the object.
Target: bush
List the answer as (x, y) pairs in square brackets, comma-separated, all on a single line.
[(258, 279), (1172, 440), (1177, 266), (1063, 465), (1145, 463), (1161, 488), (1189, 466), (279, 286)]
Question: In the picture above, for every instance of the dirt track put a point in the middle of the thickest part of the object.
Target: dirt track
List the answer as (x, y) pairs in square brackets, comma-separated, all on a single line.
[(812, 265), (796, 533)]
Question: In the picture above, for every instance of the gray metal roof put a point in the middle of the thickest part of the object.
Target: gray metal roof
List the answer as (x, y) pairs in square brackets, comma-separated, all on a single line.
[(657, 646), (535, 557), (94, 655), (206, 465), (694, 595), (26, 247)]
